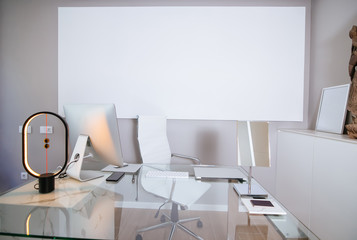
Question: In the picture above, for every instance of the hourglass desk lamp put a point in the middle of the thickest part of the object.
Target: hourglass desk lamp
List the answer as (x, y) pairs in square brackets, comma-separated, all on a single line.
[(46, 177), (253, 151)]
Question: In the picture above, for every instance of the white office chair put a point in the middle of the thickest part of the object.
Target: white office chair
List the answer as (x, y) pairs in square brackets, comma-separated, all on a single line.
[(153, 142), (179, 192), (154, 148)]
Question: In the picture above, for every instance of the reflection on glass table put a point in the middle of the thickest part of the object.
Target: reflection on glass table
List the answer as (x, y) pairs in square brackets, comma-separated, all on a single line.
[(71, 210), (176, 191), (100, 210)]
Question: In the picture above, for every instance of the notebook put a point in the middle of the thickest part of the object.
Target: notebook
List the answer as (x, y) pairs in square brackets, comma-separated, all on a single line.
[(218, 173)]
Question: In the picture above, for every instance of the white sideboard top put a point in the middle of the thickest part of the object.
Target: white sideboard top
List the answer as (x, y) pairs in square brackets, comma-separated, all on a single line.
[(326, 135)]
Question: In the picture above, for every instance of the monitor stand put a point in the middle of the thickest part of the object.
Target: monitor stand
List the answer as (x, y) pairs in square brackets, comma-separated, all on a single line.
[(249, 189), (75, 165)]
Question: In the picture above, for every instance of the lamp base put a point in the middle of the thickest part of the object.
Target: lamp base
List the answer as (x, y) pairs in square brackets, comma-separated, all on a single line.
[(253, 190), (46, 183)]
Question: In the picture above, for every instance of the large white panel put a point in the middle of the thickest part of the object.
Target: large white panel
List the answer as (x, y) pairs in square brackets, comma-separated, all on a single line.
[(185, 62)]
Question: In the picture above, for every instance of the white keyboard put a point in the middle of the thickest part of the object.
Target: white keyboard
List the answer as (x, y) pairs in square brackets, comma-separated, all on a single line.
[(166, 174)]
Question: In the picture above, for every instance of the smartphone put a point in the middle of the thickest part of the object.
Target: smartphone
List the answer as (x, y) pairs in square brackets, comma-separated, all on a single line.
[(115, 176), (261, 203)]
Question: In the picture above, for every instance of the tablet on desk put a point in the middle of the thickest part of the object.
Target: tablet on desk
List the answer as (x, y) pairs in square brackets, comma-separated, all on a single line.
[(263, 206), (218, 173)]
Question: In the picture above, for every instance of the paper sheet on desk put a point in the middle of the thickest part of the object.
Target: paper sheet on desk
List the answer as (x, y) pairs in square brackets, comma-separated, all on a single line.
[(130, 168)]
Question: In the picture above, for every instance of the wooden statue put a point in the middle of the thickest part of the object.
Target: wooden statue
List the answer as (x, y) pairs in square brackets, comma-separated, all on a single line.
[(352, 101)]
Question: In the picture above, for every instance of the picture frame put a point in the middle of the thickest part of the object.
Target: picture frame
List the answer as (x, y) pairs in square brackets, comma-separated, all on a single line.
[(333, 108)]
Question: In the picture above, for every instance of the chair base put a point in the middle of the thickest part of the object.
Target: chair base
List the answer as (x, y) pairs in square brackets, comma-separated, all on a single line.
[(174, 222)]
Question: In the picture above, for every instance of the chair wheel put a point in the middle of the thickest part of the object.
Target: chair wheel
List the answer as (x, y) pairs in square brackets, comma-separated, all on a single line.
[(138, 237), (162, 219), (199, 224)]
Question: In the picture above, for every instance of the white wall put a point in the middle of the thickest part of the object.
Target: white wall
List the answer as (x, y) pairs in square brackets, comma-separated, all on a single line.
[(28, 80)]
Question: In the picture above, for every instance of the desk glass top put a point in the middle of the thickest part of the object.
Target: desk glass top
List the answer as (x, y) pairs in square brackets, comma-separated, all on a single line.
[(97, 209)]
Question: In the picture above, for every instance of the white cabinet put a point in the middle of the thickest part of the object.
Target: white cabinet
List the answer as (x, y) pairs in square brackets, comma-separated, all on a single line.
[(317, 181), (294, 173)]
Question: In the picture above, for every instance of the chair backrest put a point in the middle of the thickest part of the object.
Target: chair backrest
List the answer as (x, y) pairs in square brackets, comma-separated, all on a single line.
[(152, 137)]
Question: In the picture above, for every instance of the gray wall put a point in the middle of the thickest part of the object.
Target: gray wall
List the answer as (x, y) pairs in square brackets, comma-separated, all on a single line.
[(28, 81), (330, 47), (28, 75)]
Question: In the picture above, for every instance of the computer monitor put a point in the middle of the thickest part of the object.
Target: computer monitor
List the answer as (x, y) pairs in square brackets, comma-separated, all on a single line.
[(94, 139)]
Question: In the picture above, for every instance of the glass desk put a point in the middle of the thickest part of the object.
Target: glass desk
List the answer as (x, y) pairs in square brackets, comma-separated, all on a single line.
[(100, 210)]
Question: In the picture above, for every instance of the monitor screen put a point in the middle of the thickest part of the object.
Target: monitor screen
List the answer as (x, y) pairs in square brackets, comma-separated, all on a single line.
[(99, 122)]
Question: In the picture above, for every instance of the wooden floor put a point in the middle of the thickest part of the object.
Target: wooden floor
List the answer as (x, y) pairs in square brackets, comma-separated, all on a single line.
[(216, 225), (140, 218)]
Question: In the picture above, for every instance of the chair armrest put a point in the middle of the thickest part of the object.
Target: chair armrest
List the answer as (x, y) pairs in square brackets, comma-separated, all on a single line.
[(194, 159)]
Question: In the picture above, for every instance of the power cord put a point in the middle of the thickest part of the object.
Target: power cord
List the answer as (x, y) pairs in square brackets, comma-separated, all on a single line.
[(64, 173)]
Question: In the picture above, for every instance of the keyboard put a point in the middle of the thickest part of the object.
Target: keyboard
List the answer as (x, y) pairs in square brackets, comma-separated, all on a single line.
[(166, 174)]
